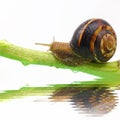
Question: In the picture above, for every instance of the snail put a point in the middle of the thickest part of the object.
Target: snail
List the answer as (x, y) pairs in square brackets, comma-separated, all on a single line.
[(93, 41)]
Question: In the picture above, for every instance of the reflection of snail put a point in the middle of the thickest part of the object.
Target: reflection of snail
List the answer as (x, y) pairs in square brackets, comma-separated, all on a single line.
[(94, 40), (95, 101)]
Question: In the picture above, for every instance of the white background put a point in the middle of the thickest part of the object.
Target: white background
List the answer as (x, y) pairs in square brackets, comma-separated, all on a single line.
[(24, 22)]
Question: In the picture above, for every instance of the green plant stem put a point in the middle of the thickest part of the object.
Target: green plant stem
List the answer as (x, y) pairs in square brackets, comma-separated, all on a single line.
[(24, 55), (28, 56), (108, 73)]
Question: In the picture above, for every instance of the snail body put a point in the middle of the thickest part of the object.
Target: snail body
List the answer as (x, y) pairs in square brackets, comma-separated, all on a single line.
[(93, 41)]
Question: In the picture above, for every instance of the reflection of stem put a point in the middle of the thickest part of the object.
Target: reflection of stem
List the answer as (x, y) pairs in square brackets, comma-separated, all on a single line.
[(25, 91), (95, 101), (91, 100)]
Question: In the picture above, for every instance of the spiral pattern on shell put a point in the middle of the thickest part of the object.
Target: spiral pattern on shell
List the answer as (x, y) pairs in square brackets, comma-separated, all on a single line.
[(94, 40)]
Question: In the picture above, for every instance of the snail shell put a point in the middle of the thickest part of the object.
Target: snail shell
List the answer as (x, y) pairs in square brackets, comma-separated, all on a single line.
[(94, 40)]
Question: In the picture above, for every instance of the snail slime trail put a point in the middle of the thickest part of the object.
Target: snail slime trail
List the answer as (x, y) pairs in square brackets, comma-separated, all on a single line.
[(93, 41)]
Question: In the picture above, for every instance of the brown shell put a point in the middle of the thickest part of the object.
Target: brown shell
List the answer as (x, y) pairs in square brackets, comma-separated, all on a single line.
[(94, 40)]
